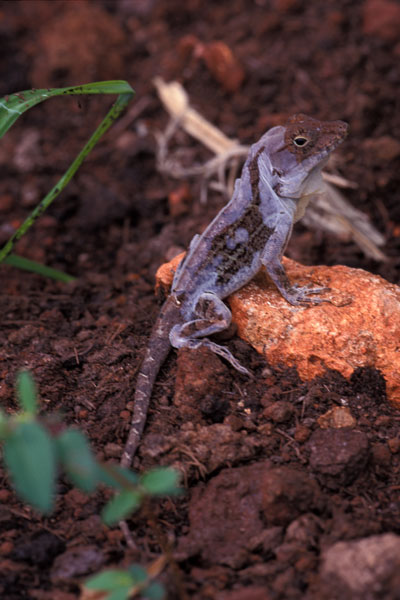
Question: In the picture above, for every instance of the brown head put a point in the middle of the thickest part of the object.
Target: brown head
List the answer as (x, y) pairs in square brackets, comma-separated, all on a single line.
[(298, 151), (307, 137)]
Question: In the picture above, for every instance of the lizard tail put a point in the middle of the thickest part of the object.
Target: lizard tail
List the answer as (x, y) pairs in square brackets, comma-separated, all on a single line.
[(156, 353)]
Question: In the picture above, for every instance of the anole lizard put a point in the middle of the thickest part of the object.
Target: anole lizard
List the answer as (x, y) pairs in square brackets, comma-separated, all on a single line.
[(281, 174)]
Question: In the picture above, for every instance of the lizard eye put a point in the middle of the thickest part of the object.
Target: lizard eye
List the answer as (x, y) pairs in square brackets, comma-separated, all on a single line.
[(300, 141)]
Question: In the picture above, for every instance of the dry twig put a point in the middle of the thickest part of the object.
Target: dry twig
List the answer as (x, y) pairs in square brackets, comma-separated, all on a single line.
[(330, 211)]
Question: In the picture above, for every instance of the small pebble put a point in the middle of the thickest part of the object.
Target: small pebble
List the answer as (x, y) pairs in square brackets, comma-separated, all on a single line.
[(112, 450), (337, 417), (4, 496), (394, 445), (6, 548), (279, 412), (302, 433), (125, 415)]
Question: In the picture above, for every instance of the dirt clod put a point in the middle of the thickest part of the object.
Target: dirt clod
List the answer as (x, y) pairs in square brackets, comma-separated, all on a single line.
[(365, 569), (279, 412), (338, 456), (286, 493), (239, 490)]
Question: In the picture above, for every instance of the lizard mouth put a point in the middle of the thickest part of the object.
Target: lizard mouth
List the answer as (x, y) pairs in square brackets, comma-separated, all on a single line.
[(301, 165), (324, 145)]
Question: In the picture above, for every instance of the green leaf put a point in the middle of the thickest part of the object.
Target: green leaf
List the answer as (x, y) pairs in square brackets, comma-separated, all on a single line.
[(139, 574), (30, 458), (14, 105), (35, 267), (160, 481), (11, 107), (77, 459), (117, 582), (154, 591), (110, 580), (119, 507), (26, 392), (122, 594)]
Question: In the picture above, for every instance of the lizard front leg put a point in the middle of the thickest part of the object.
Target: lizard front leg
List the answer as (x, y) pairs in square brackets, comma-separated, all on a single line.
[(271, 259), (211, 316)]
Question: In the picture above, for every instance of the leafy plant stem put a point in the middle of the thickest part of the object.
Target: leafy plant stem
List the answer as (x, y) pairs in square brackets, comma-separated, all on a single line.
[(112, 115), (165, 546)]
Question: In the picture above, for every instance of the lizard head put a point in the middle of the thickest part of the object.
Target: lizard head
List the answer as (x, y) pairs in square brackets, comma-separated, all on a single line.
[(300, 150)]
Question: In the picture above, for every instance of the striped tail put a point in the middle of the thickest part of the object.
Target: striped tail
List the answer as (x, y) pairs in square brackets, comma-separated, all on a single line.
[(156, 353)]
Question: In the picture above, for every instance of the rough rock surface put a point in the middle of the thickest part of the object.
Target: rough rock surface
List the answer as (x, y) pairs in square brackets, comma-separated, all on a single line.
[(256, 495), (337, 456), (241, 491), (359, 327), (286, 493), (364, 569)]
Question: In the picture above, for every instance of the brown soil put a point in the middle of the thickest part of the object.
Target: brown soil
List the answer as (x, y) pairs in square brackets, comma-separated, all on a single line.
[(269, 492)]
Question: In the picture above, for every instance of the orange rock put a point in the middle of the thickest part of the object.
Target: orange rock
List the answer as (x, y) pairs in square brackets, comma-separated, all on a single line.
[(360, 328), (365, 332), (165, 275)]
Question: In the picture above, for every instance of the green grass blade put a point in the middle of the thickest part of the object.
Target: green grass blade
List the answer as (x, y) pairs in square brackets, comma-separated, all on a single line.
[(26, 393), (115, 111), (35, 267), (14, 105)]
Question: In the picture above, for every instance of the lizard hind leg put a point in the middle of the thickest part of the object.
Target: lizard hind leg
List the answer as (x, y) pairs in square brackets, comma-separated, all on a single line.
[(211, 316)]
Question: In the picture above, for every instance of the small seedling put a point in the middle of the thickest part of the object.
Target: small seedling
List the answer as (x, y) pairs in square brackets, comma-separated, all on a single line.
[(124, 584), (36, 449)]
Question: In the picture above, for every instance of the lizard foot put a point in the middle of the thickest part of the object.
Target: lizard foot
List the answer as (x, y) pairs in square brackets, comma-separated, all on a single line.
[(299, 295), (221, 351)]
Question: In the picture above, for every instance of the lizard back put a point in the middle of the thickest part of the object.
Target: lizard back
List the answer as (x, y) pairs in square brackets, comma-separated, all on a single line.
[(228, 253)]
